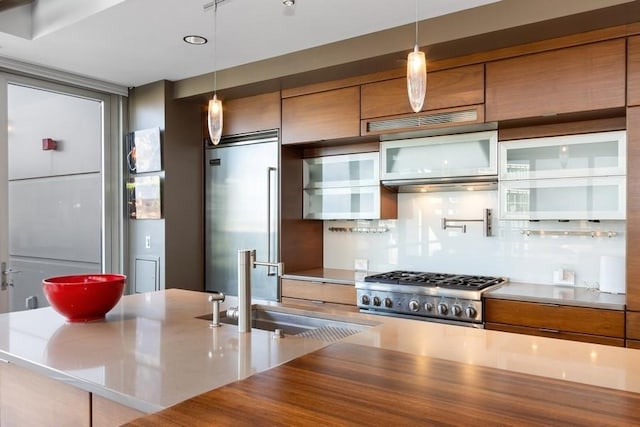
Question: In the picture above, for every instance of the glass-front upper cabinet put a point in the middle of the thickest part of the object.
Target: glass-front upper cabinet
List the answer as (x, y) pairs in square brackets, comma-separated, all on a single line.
[(347, 170), (585, 198), (342, 203), (595, 154), (434, 157)]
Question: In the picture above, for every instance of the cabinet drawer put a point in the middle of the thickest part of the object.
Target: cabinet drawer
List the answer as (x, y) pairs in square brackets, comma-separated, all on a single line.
[(633, 325), (563, 318), (542, 332), (319, 291), (313, 303)]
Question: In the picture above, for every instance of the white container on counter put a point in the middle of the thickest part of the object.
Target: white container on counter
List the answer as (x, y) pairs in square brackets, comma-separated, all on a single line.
[(612, 274)]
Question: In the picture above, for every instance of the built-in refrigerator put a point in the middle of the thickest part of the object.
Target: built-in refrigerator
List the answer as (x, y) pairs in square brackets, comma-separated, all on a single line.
[(241, 211)]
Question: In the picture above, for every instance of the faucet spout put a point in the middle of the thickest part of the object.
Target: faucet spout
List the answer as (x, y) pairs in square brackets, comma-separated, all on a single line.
[(247, 261)]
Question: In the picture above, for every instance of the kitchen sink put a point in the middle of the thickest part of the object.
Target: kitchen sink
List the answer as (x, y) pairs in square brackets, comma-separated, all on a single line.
[(294, 322)]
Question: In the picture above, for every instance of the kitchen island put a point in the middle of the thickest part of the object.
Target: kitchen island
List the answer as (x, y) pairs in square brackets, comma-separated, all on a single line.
[(152, 352)]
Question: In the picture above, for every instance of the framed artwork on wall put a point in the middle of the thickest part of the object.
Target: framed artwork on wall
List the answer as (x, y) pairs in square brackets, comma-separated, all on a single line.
[(144, 151), (144, 197)]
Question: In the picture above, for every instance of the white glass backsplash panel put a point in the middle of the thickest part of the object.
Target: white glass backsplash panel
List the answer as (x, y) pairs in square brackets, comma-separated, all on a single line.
[(416, 241)]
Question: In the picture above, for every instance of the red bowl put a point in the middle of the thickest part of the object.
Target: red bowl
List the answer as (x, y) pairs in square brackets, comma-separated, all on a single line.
[(84, 297)]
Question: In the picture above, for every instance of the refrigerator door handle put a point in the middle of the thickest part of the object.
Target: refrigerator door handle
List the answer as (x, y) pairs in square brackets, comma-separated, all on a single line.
[(270, 204)]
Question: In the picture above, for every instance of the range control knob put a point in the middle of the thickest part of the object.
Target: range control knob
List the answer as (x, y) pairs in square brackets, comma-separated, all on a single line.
[(456, 310), (414, 305), (442, 309), (470, 312), (365, 300), (388, 303), (428, 306), (376, 301)]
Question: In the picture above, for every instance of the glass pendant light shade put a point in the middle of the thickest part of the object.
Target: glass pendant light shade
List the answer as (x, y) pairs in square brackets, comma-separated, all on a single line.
[(416, 78), (214, 119)]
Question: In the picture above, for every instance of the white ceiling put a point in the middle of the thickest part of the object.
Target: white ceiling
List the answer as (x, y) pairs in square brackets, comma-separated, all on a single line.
[(133, 42)]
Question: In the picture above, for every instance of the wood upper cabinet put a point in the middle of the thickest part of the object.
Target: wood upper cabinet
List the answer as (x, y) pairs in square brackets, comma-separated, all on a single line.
[(332, 114), (559, 321), (633, 71), (251, 114), (575, 79), (445, 89), (633, 210)]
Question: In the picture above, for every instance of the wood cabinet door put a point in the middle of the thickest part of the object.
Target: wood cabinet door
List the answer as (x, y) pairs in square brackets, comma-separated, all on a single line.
[(633, 210), (445, 89), (633, 71), (565, 318), (31, 399), (251, 114), (576, 79), (331, 114)]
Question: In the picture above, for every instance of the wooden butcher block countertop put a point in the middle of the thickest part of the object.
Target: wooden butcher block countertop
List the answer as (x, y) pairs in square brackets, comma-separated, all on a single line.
[(350, 384)]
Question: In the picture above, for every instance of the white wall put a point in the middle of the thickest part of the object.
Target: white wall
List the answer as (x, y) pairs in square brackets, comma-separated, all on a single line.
[(416, 241)]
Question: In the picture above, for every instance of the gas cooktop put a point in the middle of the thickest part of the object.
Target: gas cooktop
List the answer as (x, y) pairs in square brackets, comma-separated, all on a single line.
[(442, 280)]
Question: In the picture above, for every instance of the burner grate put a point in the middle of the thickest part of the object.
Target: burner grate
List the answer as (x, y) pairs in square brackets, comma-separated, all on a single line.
[(442, 280)]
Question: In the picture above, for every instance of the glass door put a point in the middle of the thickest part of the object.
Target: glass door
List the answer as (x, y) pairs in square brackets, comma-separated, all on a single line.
[(57, 201)]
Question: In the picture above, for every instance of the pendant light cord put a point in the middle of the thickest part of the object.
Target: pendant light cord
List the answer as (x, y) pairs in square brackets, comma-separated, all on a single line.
[(215, 46), (416, 22)]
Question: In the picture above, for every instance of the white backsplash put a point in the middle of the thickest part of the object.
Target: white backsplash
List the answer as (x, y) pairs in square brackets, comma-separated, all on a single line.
[(416, 241)]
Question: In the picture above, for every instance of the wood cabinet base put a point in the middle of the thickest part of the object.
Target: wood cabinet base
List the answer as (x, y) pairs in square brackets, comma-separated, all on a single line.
[(541, 332)]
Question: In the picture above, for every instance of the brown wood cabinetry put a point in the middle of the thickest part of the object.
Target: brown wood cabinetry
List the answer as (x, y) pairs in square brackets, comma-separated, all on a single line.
[(445, 89), (303, 292), (575, 79), (560, 321), (633, 217), (332, 114), (30, 399), (251, 114), (633, 71)]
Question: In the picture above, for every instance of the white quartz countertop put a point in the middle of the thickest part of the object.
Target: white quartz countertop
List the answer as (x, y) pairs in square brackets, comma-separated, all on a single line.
[(555, 294), (151, 352)]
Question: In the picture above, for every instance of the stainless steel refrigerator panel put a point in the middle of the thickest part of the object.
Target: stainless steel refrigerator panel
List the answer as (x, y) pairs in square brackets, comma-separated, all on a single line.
[(241, 213)]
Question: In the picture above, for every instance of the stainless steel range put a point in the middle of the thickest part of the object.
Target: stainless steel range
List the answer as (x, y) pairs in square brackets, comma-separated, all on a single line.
[(448, 298)]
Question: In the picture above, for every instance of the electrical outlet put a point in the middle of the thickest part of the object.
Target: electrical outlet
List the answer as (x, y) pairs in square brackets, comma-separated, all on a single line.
[(360, 264), (147, 242)]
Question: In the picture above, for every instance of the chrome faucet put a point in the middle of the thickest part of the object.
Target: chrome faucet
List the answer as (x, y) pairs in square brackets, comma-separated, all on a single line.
[(247, 261), (216, 299)]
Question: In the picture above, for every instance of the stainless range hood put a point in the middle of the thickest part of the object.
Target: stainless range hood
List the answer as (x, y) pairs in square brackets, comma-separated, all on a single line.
[(458, 162), (463, 183)]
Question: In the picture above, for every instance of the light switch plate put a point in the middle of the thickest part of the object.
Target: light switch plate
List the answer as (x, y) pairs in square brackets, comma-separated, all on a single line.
[(360, 264)]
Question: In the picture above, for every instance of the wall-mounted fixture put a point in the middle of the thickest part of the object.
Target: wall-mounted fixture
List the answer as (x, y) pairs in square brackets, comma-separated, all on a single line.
[(485, 220), (416, 74), (289, 3), (49, 144)]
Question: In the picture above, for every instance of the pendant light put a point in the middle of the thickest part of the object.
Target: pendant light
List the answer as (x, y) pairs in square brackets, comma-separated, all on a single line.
[(214, 112), (416, 74)]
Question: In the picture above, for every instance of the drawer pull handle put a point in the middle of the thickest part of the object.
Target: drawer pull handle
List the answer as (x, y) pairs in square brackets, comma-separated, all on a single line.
[(550, 304), (315, 301), (552, 331)]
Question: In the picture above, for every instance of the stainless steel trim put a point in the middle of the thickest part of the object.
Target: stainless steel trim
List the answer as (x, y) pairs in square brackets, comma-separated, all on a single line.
[(423, 121), (270, 203), (246, 138)]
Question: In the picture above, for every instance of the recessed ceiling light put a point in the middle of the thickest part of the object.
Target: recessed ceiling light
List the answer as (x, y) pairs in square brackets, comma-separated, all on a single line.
[(193, 39), (289, 3)]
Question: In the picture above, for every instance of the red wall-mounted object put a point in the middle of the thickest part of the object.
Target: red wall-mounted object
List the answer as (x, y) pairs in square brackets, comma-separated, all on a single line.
[(48, 144)]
